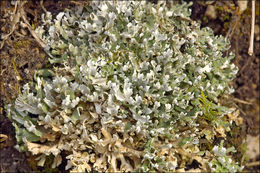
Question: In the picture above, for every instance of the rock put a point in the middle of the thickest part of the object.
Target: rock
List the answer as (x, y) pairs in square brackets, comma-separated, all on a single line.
[(209, 2), (242, 5), (252, 146), (211, 12)]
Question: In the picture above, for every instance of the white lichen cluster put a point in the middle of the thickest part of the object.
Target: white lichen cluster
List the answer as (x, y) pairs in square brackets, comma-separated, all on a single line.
[(221, 162), (124, 95)]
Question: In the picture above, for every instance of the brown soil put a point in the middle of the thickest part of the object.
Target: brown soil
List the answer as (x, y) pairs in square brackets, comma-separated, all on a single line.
[(246, 84), (21, 56), (237, 26)]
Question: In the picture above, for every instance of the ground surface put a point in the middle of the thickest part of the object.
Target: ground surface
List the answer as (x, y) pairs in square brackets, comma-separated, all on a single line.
[(21, 55)]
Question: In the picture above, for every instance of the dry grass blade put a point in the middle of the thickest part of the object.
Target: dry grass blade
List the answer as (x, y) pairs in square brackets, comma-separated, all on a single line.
[(16, 19)]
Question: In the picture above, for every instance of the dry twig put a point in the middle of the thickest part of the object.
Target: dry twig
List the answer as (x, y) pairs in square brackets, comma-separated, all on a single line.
[(251, 46), (20, 13), (242, 101), (27, 24), (231, 29), (256, 163), (44, 9), (16, 19)]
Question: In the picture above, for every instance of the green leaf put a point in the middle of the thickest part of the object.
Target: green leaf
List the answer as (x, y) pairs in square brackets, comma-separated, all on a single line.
[(185, 141), (127, 126), (76, 114), (22, 132), (45, 108), (44, 73)]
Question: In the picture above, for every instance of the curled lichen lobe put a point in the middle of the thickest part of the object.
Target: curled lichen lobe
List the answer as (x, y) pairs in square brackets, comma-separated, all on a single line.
[(125, 93)]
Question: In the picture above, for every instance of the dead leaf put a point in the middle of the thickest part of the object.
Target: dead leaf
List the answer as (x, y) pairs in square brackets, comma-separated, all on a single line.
[(57, 161), (3, 137), (221, 131), (41, 159), (38, 148), (208, 134), (235, 117)]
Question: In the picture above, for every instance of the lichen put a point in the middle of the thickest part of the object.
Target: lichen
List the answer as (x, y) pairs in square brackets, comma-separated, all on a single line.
[(125, 94)]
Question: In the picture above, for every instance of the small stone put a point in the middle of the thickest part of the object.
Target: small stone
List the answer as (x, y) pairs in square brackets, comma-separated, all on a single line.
[(242, 5), (252, 146), (211, 12), (209, 2)]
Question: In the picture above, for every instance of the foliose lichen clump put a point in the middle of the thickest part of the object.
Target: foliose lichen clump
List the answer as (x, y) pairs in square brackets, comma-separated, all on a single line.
[(135, 88)]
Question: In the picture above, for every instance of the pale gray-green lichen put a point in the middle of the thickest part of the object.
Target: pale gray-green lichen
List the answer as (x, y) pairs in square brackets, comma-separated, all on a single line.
[(125, 93)]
